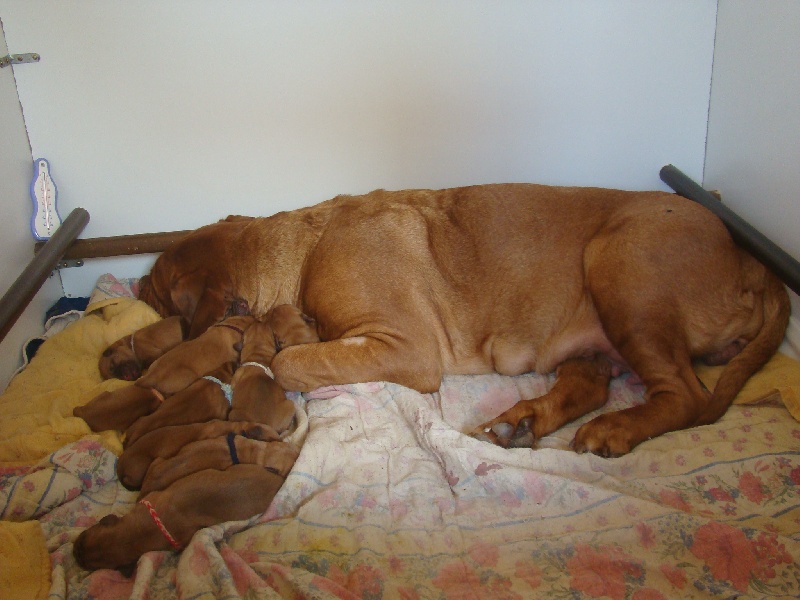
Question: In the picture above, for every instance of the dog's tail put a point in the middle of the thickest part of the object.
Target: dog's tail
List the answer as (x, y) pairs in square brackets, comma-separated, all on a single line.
[(755, 354)]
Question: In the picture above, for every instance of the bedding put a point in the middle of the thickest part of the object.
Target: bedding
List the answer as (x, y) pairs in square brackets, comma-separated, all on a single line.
[(389, 499)]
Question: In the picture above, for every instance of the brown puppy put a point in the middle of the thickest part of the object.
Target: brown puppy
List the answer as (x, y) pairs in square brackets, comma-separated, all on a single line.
[(199, 500), (192, 359), (120, 408), (291, 327), (128, 357), (409, 285), (166, 442), (208, 398), (220, 453), (256, 396)]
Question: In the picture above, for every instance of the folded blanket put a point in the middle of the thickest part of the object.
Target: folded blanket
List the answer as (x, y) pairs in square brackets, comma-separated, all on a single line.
[(778, 381)]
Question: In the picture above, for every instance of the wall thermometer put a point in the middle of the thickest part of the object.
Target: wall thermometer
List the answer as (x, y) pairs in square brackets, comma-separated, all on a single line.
[(45, 219)]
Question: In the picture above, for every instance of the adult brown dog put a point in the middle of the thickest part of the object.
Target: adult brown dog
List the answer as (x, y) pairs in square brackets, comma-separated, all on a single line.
[(407, 286), (166, 442), (129, 356), (256, 395), (199, 500)]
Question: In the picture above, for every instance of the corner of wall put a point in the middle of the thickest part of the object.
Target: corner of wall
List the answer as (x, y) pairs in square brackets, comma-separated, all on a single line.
[(791, 343)]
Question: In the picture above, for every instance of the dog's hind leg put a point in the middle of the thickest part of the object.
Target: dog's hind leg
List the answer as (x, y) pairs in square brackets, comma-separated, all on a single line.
[(644, 325), (674, 399), (581, 386)]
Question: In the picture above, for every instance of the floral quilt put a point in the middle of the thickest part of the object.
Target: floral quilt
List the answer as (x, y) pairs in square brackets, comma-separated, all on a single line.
[(389, 499)]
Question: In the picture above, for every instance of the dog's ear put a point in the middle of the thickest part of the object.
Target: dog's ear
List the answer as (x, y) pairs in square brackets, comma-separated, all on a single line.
[(209, 308), (149, 295), (186, 292), (200, 300)]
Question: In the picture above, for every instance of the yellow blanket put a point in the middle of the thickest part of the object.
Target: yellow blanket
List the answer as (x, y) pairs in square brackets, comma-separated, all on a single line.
[(37, 405), (37, 419), (777, 381)]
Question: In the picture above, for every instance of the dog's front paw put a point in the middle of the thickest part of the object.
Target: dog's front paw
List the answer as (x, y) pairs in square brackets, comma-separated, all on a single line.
[(603, 436)]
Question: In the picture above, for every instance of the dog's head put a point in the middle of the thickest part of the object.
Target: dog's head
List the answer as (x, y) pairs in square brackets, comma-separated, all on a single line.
[(291, 326), (192, 277), (119, 361), (92, 549)]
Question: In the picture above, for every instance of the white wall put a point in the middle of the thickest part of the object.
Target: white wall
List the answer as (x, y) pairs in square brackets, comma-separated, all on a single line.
[(16, 241), (753, 153), (159, 116)]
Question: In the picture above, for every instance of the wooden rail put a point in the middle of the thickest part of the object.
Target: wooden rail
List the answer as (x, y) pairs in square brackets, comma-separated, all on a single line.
[(744, 234), (22, 291), (119, 245)]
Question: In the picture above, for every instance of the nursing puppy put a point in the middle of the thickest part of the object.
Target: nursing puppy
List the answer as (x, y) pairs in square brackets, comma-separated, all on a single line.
[(166, 442), (199, 500), (129, 356), (119, 409), (256, 396), (220, 453), (192, 359), (409, 285), (208, 398)]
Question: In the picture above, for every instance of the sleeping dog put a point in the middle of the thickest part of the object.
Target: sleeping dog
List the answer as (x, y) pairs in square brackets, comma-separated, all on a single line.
[(256, 396), (172, 371), (208, 398), (129, 356), (219, 453), (167, 520), (119, 409), (165, 442), (406, 286), (192, 359)]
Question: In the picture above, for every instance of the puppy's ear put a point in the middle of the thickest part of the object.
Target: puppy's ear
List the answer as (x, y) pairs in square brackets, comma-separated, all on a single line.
[(109, 519)]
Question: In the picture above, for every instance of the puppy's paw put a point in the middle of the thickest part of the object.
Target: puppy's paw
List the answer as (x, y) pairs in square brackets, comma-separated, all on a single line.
[(603, 436), (262, 433)]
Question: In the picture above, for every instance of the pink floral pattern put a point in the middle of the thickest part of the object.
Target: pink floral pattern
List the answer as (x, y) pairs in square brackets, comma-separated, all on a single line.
[(389, 500)]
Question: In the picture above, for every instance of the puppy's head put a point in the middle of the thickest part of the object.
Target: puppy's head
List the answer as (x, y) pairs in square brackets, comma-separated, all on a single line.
[(93, 548), (118, 361), (291, 326)]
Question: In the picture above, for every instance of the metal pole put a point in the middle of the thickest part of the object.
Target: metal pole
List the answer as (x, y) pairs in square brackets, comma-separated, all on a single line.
[(744, 234), (22, 291)]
